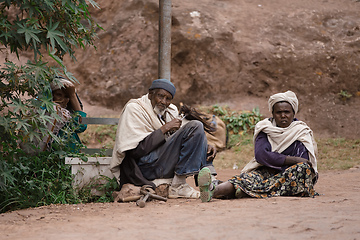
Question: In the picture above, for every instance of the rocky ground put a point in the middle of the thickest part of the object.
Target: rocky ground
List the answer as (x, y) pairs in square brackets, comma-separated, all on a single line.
[(335, 214)]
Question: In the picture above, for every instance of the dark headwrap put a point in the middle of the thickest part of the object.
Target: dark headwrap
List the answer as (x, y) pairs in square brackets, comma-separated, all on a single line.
[(164, 84)]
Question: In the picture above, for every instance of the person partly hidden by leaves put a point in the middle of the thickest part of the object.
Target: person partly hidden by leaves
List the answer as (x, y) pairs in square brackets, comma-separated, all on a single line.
[(65, 125)]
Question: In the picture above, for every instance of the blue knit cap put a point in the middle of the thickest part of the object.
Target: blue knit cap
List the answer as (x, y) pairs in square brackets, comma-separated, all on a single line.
[(164, 84)]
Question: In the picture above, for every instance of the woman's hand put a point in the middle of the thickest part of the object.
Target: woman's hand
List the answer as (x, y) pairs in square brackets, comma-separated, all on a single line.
[(73, 100), (70, 90), (289, 160)]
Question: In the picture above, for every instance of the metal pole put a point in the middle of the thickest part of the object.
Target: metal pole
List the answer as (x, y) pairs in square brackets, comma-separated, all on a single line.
[(164, 65)]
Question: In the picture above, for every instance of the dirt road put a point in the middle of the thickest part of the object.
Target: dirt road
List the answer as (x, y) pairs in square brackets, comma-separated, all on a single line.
[(335, 214)]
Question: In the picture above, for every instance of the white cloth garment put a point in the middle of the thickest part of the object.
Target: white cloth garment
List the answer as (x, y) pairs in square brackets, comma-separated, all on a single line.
[(136, 122), (282, 138)]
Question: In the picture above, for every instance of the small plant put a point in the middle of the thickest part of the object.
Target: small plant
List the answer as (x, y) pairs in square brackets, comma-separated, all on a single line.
[(219, 111), (103, 187), (344, 95)]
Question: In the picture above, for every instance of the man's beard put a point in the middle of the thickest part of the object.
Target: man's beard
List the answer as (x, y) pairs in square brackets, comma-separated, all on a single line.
[(158, 111)]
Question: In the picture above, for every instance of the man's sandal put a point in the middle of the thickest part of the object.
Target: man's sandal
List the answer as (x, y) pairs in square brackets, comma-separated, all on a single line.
[(205, 185), (183, 191)]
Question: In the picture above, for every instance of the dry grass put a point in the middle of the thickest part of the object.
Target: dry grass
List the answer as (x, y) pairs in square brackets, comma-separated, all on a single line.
[(240, 152), (99, 136), (338, 153)]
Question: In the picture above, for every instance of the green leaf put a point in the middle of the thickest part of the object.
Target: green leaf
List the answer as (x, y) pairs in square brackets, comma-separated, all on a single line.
[(33, 134), (39, 70), (7, 35), (22, 125), (18, 106), (56, 58), (54, 36), (30, 32), (70, 76), (94, 4)]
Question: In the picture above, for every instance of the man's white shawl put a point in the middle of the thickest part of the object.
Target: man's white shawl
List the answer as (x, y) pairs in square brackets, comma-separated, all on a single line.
[(281, 138), (137, 121)]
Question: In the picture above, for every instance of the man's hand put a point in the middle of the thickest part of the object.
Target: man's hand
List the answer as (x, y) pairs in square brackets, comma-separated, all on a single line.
[(211, 153), (173, 125)]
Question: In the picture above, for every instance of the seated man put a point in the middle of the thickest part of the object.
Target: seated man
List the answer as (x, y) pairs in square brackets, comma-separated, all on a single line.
[(151, 143), (284, 163)]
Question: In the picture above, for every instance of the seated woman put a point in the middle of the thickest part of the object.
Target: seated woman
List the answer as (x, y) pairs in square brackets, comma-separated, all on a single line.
[(69, 108), (65, 125), (284, 163)]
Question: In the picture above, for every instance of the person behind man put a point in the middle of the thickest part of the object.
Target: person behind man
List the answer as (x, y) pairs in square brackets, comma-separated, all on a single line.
[(70, 110), (285, 163), (68, 107), (152, 143)]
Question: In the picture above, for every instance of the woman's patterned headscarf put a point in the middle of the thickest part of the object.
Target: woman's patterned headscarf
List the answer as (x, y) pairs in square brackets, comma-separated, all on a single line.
[(62, 83)]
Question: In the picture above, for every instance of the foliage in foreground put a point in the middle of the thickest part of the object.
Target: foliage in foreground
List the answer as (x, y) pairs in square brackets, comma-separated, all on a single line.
[(49, 30), (42, 180)]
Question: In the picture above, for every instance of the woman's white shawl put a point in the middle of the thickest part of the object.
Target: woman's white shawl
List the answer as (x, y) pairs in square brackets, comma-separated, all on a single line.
[(282, 138), (137, 121)]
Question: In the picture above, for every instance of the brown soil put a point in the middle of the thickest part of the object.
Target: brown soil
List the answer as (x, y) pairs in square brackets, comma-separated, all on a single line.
[(234, 52), (335, 214)]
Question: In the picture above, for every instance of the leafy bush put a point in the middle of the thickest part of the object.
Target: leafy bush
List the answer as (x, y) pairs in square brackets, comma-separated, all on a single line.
[(238, 122), (48, 30), (42, 180), (52, 28), (35, 181)]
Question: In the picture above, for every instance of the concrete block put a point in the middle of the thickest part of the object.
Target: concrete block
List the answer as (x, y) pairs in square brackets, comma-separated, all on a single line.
[(92, 171)]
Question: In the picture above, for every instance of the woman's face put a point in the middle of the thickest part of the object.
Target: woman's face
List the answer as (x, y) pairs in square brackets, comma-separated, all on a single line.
[(283, 114), (60, 97)]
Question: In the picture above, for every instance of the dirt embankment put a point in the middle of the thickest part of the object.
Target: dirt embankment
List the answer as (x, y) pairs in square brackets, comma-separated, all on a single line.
[(233, 52)]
